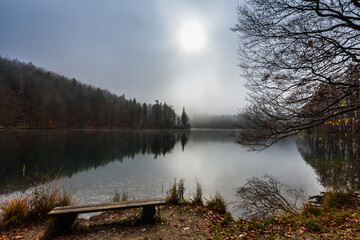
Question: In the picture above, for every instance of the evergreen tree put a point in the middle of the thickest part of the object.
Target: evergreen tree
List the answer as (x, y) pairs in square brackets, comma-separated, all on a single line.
[(185, 122)]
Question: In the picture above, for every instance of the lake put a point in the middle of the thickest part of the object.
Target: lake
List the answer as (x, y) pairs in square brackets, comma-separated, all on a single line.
[(92, 164)]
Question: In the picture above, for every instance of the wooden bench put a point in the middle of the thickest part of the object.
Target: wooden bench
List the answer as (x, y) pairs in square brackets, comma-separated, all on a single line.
[(66, 215)]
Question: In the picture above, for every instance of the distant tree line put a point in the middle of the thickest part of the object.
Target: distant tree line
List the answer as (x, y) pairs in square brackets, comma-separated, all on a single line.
[(216, 121), (31, 97)]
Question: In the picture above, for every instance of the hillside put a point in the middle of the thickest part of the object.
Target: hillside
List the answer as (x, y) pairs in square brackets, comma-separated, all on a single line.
[(31, 97)]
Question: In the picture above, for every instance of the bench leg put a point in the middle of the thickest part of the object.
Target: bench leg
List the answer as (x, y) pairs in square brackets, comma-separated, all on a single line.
[(63, 223), (148, 214)]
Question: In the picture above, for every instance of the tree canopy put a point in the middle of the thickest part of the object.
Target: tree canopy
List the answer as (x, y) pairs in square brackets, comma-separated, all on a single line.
[(301, 61)]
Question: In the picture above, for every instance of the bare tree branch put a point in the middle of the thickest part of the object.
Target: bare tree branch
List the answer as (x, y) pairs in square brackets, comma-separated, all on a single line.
[(301, 59)]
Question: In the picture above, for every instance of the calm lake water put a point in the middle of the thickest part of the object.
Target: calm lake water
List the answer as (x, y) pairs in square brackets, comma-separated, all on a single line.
[(93, 164)]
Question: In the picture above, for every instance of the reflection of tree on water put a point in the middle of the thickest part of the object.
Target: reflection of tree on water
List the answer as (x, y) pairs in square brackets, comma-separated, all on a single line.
[(335, 159), (184, 139), (65, 153)]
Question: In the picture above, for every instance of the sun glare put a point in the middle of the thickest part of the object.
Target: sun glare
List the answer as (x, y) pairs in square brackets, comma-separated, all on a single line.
[(192, 35)]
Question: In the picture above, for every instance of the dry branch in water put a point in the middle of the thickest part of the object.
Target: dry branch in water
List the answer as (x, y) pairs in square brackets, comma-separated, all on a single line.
[(267, 197)]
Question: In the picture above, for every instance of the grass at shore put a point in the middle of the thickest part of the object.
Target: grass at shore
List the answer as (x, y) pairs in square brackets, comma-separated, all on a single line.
[(337, 217), (333, 219), (32, 207)]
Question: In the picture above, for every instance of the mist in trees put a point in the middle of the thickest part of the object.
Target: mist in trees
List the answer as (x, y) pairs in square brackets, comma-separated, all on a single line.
[(301, 61), (32, 97), (216, 121)]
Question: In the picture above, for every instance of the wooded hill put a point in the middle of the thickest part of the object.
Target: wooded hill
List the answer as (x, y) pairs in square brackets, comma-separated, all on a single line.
[(31, 97)]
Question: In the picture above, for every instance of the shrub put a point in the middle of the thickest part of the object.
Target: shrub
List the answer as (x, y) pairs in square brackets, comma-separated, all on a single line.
[(172, 194), (227, 219), (269, 221), (257, 224), (197, 199), (117, 197), (161, 219), (217, 204), (313, 225), (310, 210), (340, 216), (14, 212), (34, 207), (176, 193), (336, 198), (285, 219), (181, 190), (124, 195), (44, 199)]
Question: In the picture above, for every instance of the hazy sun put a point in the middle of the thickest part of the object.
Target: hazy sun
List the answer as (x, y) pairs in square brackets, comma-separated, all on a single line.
[(192, 35)]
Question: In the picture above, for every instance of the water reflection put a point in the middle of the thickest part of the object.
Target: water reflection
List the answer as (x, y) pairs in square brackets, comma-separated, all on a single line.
[(26, 155), (335, 159), (95, 163)]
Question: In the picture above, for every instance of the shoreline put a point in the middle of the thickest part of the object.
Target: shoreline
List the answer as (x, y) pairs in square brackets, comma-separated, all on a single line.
[(195, 222)]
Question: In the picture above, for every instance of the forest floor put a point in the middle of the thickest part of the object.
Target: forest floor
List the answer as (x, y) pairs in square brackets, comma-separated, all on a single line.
[(191, 222)]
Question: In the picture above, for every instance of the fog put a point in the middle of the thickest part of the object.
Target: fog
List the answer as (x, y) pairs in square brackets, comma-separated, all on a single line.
[(132, 48)]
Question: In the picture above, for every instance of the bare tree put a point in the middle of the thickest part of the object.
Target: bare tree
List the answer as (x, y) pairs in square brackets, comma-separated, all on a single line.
[(301, 59)]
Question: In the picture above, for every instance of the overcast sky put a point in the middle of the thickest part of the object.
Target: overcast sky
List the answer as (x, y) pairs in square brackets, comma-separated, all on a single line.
[(177, 51)]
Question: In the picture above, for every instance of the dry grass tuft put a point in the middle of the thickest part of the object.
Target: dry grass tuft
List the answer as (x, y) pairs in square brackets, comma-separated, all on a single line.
[(33, 207), (14, 212), (176, 193), (337, 198), (198, 196), (44, 199)]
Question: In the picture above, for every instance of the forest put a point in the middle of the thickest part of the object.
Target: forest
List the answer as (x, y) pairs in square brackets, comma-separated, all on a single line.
[(31, 97)]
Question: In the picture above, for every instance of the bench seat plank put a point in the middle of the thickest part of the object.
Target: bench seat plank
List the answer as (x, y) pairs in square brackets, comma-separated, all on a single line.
[(105, 206)]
